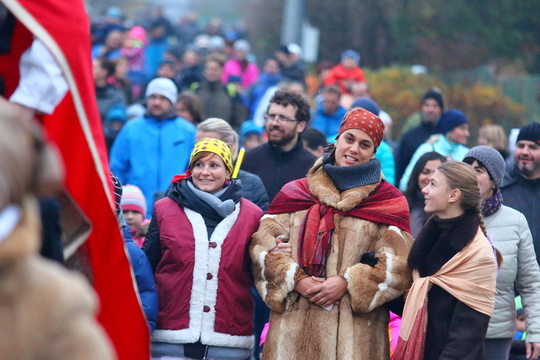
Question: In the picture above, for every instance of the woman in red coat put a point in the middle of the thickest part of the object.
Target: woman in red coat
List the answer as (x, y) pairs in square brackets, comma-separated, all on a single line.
[(197, 245)]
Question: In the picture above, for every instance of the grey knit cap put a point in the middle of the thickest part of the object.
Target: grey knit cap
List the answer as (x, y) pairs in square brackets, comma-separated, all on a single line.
[(490, 158)]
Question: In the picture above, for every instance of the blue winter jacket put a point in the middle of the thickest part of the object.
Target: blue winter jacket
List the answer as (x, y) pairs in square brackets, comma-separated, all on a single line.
[(144, 278), (149, 152), (328, 124)]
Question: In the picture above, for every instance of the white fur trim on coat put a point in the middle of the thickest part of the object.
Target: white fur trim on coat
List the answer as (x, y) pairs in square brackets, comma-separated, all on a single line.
[(204, 292), (387, 281)]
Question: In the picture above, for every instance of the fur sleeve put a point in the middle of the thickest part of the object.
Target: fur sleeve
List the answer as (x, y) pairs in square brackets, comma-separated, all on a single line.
[(275, 275), (370, 287)]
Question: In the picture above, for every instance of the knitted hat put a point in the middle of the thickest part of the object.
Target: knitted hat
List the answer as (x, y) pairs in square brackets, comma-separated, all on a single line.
[(135, 110), (217, 43), (295, 49), (164, 87), (450, 120), (435, 95), (114, 12), (215, 146), (248, 128), (358, 118), (530, 132), (385, 117), (284, 49), (351, 54), (242, 45), (133, 199), (490, 158), (138, 33), (367, 104)]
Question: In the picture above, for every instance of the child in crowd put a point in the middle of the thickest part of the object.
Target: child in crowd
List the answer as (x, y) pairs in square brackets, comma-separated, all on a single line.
[(146, 285), (251, 135), (134, 207), (346, 73), (518, 349)]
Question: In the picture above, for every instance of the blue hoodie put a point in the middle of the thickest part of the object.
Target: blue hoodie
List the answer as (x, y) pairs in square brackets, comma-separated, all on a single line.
[(149, 152)]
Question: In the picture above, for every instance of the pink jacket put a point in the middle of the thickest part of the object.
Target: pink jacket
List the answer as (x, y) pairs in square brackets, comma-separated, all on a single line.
[(234, 68)]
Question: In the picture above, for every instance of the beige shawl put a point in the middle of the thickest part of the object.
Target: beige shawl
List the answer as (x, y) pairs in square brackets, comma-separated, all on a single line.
[(469, 276)]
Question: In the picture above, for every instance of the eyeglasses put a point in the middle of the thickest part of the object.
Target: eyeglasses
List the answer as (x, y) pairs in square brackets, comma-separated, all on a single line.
[(278, 118)]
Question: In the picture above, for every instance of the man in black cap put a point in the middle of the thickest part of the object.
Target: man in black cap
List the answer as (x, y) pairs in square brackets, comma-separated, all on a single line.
[(290, 69), (521, 185), (431, 108)]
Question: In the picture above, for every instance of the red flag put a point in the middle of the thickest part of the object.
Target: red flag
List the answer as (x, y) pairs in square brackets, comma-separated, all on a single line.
[(75, 127)]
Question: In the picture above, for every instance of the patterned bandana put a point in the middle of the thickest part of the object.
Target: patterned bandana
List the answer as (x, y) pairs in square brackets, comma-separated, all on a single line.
[(492, 204), (214, 146), (358, 118)]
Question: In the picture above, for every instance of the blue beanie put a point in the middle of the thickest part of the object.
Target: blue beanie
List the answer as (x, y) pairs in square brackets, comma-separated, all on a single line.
[(352, 54), (450, 120), (367, 104), (248, 127)]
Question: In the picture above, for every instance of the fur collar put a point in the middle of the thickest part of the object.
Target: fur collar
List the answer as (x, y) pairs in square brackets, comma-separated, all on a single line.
[(435, 245), (324, 189)]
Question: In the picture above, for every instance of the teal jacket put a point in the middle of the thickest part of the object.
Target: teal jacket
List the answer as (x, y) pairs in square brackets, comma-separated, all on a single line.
[(443, 146), (386, 156)]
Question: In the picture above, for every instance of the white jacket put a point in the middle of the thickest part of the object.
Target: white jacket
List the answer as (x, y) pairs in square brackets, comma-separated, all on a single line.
[(510, 233)]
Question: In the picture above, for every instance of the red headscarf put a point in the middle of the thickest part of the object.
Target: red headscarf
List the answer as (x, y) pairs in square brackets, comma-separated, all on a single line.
[(358, 118)]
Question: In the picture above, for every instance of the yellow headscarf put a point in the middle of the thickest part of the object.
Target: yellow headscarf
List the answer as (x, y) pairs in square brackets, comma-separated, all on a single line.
[(214, 146)]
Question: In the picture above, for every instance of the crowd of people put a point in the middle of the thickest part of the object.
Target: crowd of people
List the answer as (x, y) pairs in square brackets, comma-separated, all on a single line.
[(337, 250), (265, 220)]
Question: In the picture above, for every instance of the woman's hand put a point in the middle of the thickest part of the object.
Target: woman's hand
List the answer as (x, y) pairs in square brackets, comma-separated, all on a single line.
[(329, 292), (281, 248), (307, 283)]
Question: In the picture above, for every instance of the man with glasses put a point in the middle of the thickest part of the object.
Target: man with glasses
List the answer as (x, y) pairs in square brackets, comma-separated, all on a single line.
[(283, 158)]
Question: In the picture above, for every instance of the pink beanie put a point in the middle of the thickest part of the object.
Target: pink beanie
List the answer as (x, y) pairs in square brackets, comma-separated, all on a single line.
[(133, 199), (138, 33)]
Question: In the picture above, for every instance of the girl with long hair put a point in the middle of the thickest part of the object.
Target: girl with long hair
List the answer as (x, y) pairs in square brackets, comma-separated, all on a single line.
[(449, 305), (420, 176)]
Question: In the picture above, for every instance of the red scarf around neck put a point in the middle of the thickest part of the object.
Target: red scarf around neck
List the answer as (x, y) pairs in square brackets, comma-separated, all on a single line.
[(384, 205)]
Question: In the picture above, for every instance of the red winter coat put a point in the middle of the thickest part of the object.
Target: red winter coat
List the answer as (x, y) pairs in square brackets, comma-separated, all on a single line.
[(339, 75), (204, 284)]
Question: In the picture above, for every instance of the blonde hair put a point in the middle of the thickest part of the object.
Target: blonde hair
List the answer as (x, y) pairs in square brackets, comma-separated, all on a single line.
[(461, 176), (495, 137), (225, 131)]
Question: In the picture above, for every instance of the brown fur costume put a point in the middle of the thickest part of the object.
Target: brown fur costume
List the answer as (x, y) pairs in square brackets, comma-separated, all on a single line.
[(357, 328), (46, 312)]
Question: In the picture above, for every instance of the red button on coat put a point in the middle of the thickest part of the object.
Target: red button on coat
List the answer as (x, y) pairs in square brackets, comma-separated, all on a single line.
[(212, 244), (206, 308), (209, 276)]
